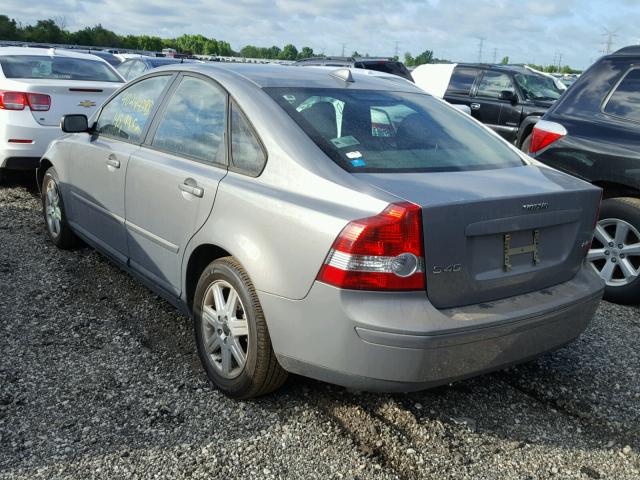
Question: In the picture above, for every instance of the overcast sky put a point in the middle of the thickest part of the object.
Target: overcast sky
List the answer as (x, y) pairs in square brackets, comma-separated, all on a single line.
[(532, 31)]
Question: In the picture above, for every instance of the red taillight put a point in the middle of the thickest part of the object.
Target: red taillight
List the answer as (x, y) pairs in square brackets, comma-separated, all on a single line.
[(12, 100), (383, 252), (544, 134), (37, 102)]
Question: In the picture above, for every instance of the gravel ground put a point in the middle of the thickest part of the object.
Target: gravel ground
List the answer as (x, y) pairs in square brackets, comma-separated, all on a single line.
[(99, 378)]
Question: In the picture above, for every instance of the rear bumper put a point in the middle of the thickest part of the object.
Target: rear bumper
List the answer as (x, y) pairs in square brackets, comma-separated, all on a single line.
[(20, 125), (399, 342)]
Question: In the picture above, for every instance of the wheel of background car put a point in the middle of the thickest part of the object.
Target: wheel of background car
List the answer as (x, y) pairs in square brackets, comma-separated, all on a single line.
[(526, 144), (54, 213), (615, 251), (231, 332)]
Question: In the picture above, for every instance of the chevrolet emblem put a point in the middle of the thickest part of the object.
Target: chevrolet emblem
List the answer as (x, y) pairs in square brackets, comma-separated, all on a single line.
[(87, 104)]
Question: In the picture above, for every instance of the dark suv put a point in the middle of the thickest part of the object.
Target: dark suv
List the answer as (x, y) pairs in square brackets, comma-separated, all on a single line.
[(593, 132), (386, 65), (508, 98)]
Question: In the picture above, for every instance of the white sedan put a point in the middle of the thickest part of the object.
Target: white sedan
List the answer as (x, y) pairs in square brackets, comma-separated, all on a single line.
[(37, 87)]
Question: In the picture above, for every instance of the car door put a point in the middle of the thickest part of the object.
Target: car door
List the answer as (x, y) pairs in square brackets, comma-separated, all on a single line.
[(172, 180), (488, 107), (460, 85), (99, 162)]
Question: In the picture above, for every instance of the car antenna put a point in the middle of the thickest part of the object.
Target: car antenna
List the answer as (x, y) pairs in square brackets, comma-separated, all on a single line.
[(343, 74)]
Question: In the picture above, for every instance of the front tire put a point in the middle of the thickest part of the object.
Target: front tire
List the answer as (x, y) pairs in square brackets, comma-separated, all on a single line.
[(55, 216), (231, 332), (615, 251)]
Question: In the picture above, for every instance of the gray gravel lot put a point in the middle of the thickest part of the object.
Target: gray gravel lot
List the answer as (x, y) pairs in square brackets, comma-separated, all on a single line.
[(99, 378)]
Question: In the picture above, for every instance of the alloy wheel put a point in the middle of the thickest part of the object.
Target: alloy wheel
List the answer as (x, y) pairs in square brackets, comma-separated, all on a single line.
[(615, 252), (52, 208), (225, 329)]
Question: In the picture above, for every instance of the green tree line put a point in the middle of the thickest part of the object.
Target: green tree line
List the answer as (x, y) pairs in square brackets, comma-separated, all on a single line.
[(50, 31)]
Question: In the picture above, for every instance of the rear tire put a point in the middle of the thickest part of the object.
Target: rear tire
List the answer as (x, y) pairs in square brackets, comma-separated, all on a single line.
[(55, 217), (231, 332), (615, 251)]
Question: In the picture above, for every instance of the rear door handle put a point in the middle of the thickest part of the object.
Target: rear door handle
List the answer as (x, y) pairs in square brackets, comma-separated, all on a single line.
[(190, 186), (475, 106), (112, 161)]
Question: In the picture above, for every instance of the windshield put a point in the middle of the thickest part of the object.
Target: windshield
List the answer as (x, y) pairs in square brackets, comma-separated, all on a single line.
[(382, 131), (537, 87), (58, 68)]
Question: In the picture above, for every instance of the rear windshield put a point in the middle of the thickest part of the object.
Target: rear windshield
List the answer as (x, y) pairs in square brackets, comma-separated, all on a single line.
[(58, 68), (382, 131), (395, 68)]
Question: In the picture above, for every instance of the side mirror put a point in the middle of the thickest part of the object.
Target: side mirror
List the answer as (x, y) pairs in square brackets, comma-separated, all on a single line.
[(76, 123), (508, 95)]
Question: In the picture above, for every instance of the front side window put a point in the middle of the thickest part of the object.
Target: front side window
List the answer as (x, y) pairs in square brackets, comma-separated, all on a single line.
[(462, 80), (57, 68), (625, 101), (383, 131), (127, 114), (246, 152), (193, 122), (493, 83)]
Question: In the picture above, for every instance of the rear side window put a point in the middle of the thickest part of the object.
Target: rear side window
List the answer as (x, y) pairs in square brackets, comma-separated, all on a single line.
[(462, 80), (247, 153), (126, 115), (493, 83), (625, 100), (57, 68), (385, 131), (193, 122)]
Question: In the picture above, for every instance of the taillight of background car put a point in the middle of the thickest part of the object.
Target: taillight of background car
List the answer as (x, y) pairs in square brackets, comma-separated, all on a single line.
[(544, 134), (383, 252), (37, 102)]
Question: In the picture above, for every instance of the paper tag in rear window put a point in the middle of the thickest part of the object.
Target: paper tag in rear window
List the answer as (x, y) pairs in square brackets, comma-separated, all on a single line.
[(347, 141)]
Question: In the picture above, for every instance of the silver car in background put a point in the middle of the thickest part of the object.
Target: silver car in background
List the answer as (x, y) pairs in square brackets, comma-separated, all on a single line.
[(332, 224)]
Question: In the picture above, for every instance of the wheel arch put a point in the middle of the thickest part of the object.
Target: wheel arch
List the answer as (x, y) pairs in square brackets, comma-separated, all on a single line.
[(615, 189), (200, 257), (45, 164)]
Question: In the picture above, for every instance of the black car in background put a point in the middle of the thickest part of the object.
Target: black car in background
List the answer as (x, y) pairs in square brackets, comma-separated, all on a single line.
[(593, 132), (386, 65), (508, 98), (134, 67)]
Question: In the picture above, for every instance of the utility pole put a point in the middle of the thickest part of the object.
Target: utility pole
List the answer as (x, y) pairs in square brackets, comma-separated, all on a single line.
[(480, 47), (559, 62), (397, 50), (495, 55), (609, 41)]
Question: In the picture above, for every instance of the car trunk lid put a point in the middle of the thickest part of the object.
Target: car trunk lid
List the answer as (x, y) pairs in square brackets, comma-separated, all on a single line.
[(493, 234), (67, 97)]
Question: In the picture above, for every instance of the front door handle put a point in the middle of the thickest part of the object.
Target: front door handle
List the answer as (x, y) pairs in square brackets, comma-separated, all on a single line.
[(112, 161), (190, 186), (475, 106)]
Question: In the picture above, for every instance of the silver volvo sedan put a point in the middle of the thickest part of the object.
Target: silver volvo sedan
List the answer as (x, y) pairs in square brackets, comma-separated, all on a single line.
[(329, 223)]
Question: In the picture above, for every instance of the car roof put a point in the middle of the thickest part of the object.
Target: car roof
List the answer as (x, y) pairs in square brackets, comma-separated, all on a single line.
[(631, 50), (47, 52), (273, 75), (348, 59)]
